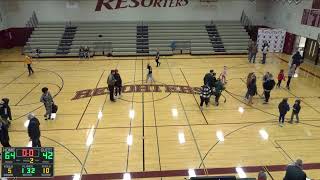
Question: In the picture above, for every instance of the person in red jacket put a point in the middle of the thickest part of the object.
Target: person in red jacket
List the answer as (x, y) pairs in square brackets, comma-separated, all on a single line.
[(280, 77)]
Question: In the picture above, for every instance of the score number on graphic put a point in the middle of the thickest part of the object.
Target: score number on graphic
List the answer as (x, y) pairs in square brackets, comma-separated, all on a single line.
[(27, 162)]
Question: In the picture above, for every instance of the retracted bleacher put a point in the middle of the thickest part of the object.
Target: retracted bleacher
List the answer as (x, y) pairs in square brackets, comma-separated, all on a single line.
[(61, 39)]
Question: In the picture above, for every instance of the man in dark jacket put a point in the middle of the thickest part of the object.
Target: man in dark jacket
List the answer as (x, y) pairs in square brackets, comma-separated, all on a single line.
[(268, 85), (283, 109), (218, 88), (4, 134), (295, 171), (210, 79), (118, 83), (111, 82), (5, 111), (34, 130), (296, 59)]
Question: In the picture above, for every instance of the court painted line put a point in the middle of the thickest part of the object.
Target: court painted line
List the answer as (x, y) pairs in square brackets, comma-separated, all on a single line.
[(184, 172)]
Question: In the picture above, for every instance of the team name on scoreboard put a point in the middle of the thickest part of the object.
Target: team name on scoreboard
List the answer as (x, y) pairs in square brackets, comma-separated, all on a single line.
[(121, 4), (139, 89)]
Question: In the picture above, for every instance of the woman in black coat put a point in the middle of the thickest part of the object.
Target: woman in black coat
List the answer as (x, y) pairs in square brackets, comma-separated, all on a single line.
[(252, 89), (118, 83), (4, 135), (34, 130), (5, 111)]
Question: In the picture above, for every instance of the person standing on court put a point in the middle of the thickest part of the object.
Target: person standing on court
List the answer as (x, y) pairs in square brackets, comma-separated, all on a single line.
[(223, 75), (291, 73), (296, 59), (295, 171), (210, 79), (118, 83), (253, 53), (249, 78), (249, 50), (218, 88), (28, 62), (205, 93), (295, 111), (283, 109), (252, 89), (264, 54), (5, 111), (158, 58), (34, 130), (268, 85), (149, 74), (4, 134), (47, 100), (111, 83), (281, 78)]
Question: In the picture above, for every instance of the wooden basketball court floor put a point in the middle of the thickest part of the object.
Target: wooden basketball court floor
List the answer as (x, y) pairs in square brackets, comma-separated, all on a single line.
[(169, 132)]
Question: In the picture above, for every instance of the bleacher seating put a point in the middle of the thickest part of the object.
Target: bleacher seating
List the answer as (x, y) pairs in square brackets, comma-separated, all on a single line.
[(137, 38)]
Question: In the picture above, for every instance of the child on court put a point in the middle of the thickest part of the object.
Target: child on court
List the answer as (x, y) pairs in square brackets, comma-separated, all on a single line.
[(283, 109), (28, 62), (281, 77), (205, 93), (223, 75), (149, 74), (295, 111)]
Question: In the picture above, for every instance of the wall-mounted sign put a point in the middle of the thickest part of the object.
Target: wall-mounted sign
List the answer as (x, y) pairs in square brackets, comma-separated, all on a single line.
[(311, 17), (121, 4)]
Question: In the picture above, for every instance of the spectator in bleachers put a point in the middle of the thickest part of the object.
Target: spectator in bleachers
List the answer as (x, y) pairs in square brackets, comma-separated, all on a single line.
[(37, 52), (86, 52), (173, 45), (81, 52), (295, 171)]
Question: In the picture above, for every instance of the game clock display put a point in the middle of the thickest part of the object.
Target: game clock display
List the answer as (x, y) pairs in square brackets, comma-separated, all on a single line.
[(27, 162)]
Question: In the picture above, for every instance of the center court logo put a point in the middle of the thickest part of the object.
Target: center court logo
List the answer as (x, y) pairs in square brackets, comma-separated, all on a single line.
[(122, 4), (138, 89)]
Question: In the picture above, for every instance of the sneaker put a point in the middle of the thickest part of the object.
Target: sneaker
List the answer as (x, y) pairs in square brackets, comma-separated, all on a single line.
[(46, 119), (201, 108), (265, 102)]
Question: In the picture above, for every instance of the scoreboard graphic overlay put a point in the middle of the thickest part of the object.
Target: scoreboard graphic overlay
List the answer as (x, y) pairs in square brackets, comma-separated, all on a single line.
[(27, 162)]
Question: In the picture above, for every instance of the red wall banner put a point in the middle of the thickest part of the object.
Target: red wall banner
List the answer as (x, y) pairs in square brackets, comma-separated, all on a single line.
[(311, 17), (14, 37), (316, 4)]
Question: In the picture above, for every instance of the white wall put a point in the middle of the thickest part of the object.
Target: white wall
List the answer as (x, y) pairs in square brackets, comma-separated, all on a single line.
[(55, 10), (3, 15), (288, 16)]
